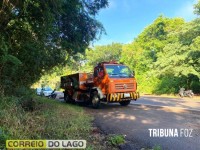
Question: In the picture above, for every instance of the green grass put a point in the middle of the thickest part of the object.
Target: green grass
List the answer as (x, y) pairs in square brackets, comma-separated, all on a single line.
[(50, 119), (157, 147), (116, 140)]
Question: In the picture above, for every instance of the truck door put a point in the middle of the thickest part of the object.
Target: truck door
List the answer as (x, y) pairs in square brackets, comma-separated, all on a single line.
[(98, 75)]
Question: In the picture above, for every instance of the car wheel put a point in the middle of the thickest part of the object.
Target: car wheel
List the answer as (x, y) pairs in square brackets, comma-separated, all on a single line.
[(54, 96)]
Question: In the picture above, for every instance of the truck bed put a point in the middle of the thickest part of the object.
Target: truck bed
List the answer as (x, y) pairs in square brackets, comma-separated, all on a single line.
[(76, 81)]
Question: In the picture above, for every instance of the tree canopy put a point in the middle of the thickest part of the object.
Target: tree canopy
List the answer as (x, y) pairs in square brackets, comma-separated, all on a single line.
[(166, 56), (103, 53), (39, 35)]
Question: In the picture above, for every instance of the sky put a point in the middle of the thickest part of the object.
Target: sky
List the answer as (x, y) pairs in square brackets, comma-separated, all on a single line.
[(124, 20)]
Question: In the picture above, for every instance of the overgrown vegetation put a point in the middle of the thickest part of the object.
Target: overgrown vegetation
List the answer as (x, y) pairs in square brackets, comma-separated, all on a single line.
[(38, 35), (157, 147), (116, 140), (47, 119), (166, 55)]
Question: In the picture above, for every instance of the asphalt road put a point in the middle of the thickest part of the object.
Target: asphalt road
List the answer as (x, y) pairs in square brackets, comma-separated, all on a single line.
[(135, 120), (177, 102), (152, 112)]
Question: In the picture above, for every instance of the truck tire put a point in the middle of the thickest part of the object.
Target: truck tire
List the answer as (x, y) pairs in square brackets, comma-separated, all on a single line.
[(66, 98), (95, 101), (125, 103)]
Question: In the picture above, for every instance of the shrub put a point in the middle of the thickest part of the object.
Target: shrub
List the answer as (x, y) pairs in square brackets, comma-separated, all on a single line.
[(117, 139), (3, 137)]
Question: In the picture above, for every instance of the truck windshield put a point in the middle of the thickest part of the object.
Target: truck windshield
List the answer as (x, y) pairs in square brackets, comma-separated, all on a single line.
[(118, 71)]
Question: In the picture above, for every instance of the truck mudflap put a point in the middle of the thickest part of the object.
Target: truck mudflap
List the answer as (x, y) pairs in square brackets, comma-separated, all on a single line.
[(117, 97)]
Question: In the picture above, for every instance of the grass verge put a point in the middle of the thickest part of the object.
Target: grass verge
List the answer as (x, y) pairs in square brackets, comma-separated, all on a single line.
[(47, 119)]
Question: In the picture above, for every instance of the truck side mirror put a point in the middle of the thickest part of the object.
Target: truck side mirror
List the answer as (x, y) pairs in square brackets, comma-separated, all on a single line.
[(133, 73), (101, 74)]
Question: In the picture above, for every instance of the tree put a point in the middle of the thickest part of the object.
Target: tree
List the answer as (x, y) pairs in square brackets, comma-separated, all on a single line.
[(194, 55), (144, 51), (38, 35), (103, 53), (181, 58), (197, 8)]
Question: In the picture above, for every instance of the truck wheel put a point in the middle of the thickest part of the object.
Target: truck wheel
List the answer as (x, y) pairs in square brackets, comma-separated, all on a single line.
[(125, 103), (95, 101), (66, 98)]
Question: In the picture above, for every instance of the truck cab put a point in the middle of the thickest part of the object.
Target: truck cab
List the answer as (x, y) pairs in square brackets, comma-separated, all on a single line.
[(116, 82)]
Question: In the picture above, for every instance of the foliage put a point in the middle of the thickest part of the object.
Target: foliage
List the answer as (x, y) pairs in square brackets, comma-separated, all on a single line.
[(50, 120), (181, 59), (144, 51), (165, 56), (117, 139), (103, 53), (3, 137), (74, 64), (172, 60), (157, 147), (197, 8), (38, 35), (168, 85)]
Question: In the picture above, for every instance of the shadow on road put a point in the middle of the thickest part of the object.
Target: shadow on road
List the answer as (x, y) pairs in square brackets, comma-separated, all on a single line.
[(135, 120)]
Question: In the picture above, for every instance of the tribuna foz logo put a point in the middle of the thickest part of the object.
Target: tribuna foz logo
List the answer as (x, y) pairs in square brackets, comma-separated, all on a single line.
[(170, 132)]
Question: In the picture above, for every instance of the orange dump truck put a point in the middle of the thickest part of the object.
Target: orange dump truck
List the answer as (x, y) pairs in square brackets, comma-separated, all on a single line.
[(110, 82)]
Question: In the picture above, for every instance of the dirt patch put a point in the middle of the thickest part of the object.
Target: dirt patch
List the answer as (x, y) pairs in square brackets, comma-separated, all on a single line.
[(99, 139)]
